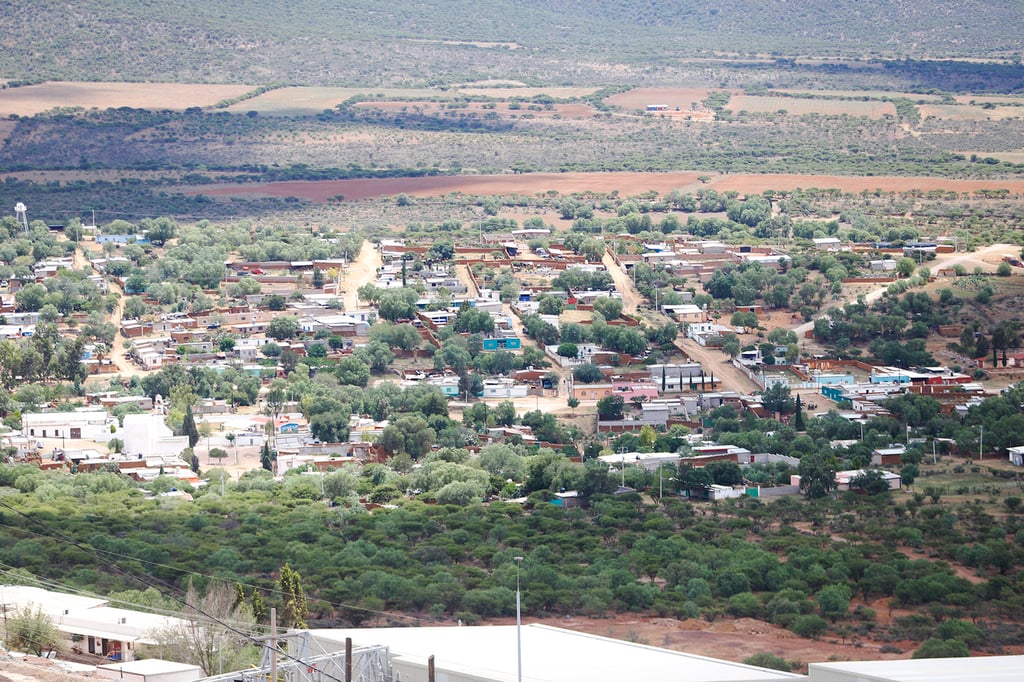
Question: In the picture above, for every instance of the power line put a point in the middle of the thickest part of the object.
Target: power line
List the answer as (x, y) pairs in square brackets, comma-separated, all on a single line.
[(213, 619), (276, 592)]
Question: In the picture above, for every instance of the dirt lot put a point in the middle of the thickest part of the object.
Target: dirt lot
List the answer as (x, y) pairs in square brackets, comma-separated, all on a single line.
[(33, 99), (567, 183), (731, 640)]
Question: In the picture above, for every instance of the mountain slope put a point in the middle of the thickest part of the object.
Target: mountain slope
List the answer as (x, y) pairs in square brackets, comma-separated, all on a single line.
[(365, 41)]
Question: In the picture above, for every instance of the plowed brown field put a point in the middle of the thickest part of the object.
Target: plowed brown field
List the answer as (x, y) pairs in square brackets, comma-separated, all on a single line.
[(568, 183)]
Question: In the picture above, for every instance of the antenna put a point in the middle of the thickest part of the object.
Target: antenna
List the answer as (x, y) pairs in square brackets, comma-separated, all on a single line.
[(20, 212)]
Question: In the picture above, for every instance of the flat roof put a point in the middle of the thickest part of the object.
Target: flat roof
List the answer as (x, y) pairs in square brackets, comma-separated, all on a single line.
[(549, 655), (976, 669), (151, 666)]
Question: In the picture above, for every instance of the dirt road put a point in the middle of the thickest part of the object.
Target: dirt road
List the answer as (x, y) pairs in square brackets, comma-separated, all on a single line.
[(362, 270), (117, 355), (631, 298), (716, 361)]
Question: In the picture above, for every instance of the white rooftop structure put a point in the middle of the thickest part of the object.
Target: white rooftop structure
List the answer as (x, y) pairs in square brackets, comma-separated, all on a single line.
[(150, 670), (976, 669), (488, 654)]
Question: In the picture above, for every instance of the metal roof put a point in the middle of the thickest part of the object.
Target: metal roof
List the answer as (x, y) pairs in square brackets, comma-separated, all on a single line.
[(549, 654)]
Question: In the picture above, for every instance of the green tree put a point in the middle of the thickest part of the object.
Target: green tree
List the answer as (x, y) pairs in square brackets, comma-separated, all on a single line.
[(283, 327), (777, 398), (610, 308), (351, 371), (188, 427), (266, 457), (817, 475), (610, 408), (872, 482), (810, 626), (905, 267), (33, 631), (731, 345), (587, 373), (568, 350), (834, 601), (941, 648), (293, 599)]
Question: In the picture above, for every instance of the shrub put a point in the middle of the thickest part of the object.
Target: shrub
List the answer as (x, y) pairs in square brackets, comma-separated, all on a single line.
[(767, 660), (809, 626)]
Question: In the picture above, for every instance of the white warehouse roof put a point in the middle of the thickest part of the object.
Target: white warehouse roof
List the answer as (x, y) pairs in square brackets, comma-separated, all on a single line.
[(488, 653), (975, 669)]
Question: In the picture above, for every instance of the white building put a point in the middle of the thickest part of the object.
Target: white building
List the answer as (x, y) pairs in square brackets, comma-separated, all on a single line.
[(489, 654), (504, 387), (979, 669), (148, 435), (91, 424), (150, 670), (88, 622)]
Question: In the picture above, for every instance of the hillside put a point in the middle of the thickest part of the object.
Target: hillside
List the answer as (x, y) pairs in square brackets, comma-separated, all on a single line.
[(319, 42)]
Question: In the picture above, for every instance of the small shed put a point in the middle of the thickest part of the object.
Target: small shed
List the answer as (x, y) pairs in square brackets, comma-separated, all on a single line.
[(150, 670)]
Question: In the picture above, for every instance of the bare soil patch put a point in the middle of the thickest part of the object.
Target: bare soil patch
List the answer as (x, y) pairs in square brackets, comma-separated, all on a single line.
[(34, 99), (760, 183), (731, 640), (568, 183)]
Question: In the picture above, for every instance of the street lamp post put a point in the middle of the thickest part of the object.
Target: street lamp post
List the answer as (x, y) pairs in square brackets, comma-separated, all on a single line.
[(519, 623)]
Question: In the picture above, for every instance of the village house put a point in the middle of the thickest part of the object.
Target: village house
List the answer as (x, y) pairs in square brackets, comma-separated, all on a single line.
[(87, 423)]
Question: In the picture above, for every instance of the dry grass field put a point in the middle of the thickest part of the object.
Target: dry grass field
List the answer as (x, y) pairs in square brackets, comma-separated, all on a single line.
[(639, 98), (757, 104), (34, 99), (959, 112), (505, 93), (305, 101), (870, 94)]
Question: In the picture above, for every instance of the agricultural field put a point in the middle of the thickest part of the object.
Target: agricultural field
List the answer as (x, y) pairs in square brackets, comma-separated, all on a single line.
[(760, 104), (959, 112), (309, 101), (627, 184), (858, 94), (525, 92), (34, 99), (637, 99)]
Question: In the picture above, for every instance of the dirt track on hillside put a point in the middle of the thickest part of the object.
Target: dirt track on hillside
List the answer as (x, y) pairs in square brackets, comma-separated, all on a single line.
[(568, 183)]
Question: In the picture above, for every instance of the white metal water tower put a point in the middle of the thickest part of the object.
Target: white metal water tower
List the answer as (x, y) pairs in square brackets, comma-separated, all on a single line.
[(21, 214)]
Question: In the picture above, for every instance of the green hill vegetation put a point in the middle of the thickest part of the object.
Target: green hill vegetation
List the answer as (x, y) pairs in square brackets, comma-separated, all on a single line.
[(315, 41)]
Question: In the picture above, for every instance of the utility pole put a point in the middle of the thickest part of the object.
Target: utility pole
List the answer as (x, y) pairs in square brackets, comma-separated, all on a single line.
[(519, 623), (273, 643), (981, 441)]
